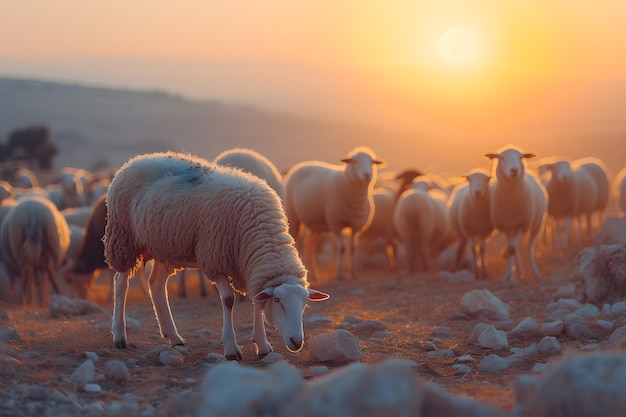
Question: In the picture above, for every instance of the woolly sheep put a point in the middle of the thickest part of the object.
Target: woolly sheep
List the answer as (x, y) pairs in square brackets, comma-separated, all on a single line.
[(381, 228), (253, 163), (518, 205), (619, 191), (421, 221), (471, 219), (571, 193), (599, 173), (69, 192), (322, 197), (35, 238), (185, 212)]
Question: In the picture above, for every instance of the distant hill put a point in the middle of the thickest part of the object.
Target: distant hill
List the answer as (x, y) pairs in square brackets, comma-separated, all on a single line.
[(95, 126)]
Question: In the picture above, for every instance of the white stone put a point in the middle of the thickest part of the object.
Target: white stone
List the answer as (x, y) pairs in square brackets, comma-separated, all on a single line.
[(170, 357), (525, 352), (600, 274), (476, 332), (588, 311), (494, 364), (339, 346), (551, 328), (272, 357), (618, 336), (85, 373), (61, 306), (605, 324), (93, 388), (618, 308), (526, 328), (117, 371), (576, 326), (461, 369), (231, 389), (549, 346), (492, 338), (483, 302)]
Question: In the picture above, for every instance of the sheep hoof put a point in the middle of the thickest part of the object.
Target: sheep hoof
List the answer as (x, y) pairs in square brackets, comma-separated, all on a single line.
[(121, 344), (234, 357)]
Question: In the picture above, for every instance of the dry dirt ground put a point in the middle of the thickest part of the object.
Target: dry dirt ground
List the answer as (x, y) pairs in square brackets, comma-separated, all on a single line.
[(411, 306)]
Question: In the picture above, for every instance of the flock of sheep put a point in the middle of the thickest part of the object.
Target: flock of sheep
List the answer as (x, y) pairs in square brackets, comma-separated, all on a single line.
[(251, 230)]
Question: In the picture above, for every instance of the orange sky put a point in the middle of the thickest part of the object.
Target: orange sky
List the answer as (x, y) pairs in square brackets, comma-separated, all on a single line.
[(370, 61)]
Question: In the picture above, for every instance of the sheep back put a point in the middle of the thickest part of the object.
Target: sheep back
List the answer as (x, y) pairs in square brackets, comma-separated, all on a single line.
[(188, 212)]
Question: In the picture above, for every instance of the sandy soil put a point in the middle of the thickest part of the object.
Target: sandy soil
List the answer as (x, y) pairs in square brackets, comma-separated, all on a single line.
[(411, 306)]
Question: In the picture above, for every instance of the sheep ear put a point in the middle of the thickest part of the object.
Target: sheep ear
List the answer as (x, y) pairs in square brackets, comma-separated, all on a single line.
[(380, 162), (315, 295), (263, 295), (346, 160), (491, 155), (529, 155)]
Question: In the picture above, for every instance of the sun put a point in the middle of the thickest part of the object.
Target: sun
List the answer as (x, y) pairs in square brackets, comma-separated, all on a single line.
[(456, 45)]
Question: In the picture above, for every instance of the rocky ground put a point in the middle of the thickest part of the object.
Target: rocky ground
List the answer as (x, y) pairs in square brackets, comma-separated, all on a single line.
[(418, 318)]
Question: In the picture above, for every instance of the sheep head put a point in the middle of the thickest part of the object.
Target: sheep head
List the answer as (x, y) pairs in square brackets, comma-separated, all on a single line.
[(510, 162), (283, 306)]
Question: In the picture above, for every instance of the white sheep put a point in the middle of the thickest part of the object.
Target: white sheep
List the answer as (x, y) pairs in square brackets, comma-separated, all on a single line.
[(421, 220), (470, 217), (599, 173), (619, 191), (185, 212), (571, 193), (518, 205), (69, 192), (323, 197), (254, 163), (35, 238)]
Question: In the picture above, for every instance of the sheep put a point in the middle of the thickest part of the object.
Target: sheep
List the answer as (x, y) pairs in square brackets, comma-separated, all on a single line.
[(78, 216), (518, 205), (185, 212), (619, 191), (323, 197), (35, 238), (422, 222), (254, 163), (82, 268), (599, 173), (471, 219), (69, 192), (251, 162), (381, 228), (571, 193)]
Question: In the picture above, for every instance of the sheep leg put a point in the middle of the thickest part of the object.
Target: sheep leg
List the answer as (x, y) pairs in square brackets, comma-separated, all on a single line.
[(483, 266), (513, 256), (531, 252), (341, 250), (353, 263), (229, 339), (158, 292), (259, 337), (182, 288), (203, 291), (460, 250), (474, 259), (120, 290), (310, 253)]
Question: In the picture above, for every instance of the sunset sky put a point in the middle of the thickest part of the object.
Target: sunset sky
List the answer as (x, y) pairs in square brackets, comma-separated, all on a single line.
[(446, 66)]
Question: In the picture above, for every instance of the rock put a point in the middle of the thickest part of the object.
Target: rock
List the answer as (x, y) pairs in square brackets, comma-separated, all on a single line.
[(61, 306), (461, 369), (525, 352), (272, 357), (613, 231), (506, 325), (438, 354), (591, 384), (170, 357), (483, 302), (117, 371), (476, 332), (9, 336), (538, 367), (458, 277), (231, 389), (93, 388), (494, 364), (442, 332), (617, 337), (551, 328), (370, 326), (92, 356), (600, 274), (388, 388), (588, 311), (526, 328), (314, 318), (85, 373), (618, 308), (549, 346), (604, 324), (491, 338), (38, 393), (576, 326), (339, 346), (318, 370)]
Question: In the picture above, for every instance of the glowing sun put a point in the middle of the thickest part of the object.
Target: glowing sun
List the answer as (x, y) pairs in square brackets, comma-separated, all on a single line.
[(456, 45)]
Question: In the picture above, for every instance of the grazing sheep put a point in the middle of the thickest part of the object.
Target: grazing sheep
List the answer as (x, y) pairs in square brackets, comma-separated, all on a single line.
[(471, 219), (323, 197), (253, 163), (35, 238), (185, 212), (619, 191), (422, 222), (518, 205)]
